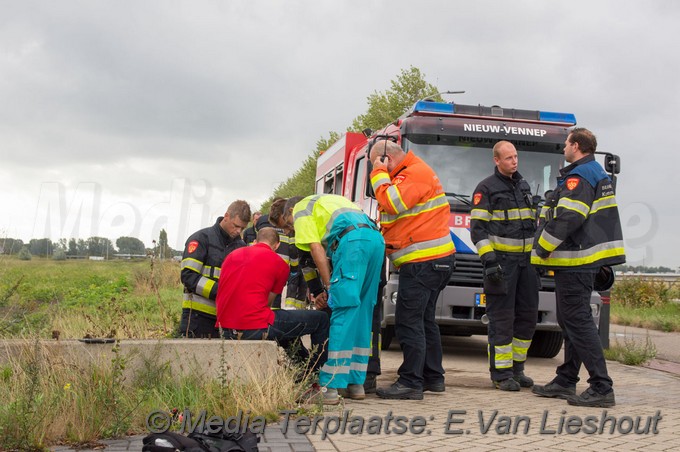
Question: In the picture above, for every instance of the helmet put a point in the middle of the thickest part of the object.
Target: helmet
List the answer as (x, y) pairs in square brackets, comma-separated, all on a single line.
[(604, 279)]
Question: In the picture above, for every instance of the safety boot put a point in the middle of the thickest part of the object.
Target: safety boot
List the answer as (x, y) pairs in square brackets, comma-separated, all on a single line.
[(523, 380), (508, 384)]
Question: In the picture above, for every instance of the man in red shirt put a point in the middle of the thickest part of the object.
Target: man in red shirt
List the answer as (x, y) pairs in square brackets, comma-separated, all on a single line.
[(250, 279)]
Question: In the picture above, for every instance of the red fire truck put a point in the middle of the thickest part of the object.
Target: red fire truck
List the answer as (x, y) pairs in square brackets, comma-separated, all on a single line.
[(456, 141)]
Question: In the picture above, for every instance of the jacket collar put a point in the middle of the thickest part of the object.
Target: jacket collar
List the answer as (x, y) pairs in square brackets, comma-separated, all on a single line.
[(568, 169), (408, 160)]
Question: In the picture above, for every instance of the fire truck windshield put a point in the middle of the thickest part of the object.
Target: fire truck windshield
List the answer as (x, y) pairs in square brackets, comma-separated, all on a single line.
[(461, 163)]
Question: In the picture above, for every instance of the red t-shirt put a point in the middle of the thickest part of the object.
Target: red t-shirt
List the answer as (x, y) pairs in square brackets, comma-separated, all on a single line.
[(247, 278)]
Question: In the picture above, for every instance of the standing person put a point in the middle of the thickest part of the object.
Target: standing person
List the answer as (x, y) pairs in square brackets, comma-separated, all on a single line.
[(502, 228), (203, 255), (252, 277), (579, 232), (330, 227), (414, 216), (250, 233)]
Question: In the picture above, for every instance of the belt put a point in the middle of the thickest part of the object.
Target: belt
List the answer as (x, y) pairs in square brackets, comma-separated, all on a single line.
[(347, 230)]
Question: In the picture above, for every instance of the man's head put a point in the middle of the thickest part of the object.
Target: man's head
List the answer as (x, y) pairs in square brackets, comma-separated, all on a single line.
[(276, 212), (268, 236), (505, 158), (395, 154), (236, 218), (288, 222), (256, 216), (578, 144)]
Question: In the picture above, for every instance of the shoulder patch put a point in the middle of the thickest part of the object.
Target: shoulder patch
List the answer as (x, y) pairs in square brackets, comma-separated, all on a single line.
[(477, 198), (398, 180), (191, 247), (572, 182)]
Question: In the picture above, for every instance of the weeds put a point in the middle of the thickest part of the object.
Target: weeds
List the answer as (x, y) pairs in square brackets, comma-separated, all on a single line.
[(631, 352)]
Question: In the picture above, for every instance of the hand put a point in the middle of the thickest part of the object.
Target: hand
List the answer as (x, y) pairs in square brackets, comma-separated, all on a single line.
[(379, 164), (494, 272), (321, 300)]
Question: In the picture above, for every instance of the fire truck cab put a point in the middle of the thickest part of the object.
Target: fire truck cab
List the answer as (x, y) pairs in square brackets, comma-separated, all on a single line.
[(456, 141)]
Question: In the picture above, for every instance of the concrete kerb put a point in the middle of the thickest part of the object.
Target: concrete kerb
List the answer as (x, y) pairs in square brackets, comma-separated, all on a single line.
[(247, 361)]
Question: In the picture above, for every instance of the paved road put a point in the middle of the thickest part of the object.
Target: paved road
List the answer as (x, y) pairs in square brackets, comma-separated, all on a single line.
[(522, 421)]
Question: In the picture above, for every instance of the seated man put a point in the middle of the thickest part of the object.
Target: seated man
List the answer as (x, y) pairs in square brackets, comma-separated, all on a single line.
[(251, 278)]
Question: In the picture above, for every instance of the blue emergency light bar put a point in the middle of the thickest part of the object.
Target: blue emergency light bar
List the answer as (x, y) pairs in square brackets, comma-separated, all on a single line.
[(423, 106)]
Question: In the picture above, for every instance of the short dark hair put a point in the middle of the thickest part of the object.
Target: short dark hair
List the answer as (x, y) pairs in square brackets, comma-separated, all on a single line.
[(290, 204), (268, 235), (276, 209), (239, 209), (587, 143)]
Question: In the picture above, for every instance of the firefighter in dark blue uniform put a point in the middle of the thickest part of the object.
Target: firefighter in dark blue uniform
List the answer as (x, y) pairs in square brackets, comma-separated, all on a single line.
[(579, 232), (204, 253), (502, 227)]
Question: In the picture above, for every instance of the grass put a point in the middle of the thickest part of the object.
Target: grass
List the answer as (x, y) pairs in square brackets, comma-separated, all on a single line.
[(631, 352), (75, 299), (645, 304)]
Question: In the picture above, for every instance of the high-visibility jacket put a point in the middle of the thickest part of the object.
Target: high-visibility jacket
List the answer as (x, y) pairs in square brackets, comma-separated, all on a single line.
[(579, 227), (502, 219), (414, 212), (204, 253)]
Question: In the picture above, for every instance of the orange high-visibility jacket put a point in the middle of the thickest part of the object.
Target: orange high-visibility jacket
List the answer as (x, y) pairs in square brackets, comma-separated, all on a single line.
[(414, 212)]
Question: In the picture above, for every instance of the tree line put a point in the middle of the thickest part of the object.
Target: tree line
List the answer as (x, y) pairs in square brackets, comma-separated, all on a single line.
[(93, 246)]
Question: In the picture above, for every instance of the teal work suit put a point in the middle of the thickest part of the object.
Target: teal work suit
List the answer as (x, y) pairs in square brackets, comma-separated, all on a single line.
[(356, 250)]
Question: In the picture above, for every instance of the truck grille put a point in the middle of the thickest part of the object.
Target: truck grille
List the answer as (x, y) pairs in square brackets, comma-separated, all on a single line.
[(468, 271)]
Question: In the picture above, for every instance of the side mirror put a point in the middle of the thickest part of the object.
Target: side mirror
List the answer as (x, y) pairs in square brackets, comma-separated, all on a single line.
[(612, 163)]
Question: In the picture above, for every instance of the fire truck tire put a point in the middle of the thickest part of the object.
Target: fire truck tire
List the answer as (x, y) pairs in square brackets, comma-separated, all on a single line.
[(387, 334), (546, 344)]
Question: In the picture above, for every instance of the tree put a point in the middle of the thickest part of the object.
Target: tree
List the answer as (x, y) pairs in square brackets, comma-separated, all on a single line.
[(40, 247), (100, 246), (25, 254), (82, 247), (72, 247), (164, 251), (130, 245), (383, 108), (10, 246)]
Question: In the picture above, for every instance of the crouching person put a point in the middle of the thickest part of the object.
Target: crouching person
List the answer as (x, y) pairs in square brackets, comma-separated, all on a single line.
[(251, 278)]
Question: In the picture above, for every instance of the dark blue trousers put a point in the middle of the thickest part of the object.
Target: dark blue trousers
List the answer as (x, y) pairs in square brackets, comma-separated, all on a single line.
[(581, 338)]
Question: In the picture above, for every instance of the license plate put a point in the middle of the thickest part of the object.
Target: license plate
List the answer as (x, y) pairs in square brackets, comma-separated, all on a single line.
[(480, 300)]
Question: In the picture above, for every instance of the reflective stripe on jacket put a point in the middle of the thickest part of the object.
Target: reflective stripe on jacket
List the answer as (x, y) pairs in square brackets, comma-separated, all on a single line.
[(580, 226), (502, 219), (414, 212)]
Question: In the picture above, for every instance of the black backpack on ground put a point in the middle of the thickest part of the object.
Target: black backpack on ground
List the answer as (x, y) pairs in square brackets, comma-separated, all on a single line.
[(201, 442)]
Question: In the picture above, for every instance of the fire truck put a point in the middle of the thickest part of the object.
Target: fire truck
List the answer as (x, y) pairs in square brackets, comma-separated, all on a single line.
[(456, 141)]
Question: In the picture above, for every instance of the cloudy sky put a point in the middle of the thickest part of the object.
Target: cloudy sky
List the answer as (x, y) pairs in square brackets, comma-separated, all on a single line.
[(123, 117)]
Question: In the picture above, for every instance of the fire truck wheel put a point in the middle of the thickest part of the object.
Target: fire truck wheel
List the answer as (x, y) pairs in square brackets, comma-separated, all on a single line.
[(546, 344)]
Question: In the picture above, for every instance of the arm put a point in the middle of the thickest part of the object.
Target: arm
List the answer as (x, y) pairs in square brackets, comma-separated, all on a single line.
[(193, 263), (398, 195), (480, 218), (572, 210)]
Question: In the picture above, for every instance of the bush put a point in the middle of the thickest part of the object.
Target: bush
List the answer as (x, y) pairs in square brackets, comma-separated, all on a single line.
[(24, 254), (638, 293), (59, 255)]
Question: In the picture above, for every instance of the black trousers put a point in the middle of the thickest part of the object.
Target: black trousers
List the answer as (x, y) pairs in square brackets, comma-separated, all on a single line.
[(195, 324), (419, 286), (512, 317), (581, 339)]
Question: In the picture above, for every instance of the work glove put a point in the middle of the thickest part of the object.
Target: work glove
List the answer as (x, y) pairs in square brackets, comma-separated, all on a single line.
[(493, 272)]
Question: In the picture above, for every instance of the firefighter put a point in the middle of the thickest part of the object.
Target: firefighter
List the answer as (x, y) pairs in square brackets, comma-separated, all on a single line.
[(414, 216), (330, 227), (203, 255), (579, 232), (502, 228)]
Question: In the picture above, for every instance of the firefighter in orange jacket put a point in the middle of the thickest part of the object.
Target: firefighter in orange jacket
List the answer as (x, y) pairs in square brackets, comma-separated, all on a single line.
[(414, 217)]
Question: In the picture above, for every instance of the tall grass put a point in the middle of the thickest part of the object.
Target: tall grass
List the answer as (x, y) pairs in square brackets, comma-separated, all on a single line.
[(49, 400)]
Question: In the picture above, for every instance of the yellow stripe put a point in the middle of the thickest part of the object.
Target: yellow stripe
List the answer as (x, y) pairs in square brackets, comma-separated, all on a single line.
[(577, 261), (424, 253)]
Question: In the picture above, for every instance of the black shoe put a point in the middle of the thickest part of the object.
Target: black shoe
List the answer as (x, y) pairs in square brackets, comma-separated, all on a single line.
[(434, 387), (591, 398), (523, 380), (370, 383), (507, 385), (399, 391), (552, 389)]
